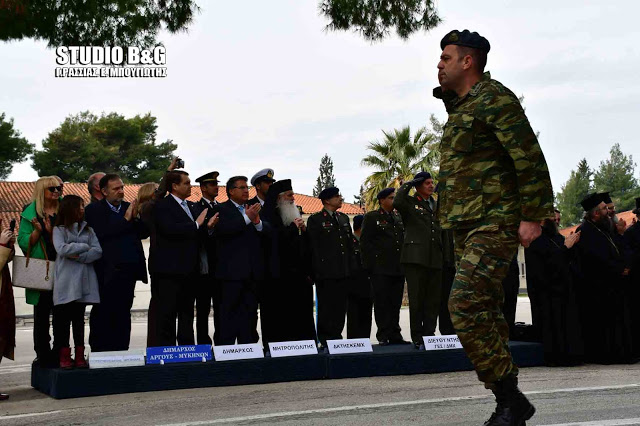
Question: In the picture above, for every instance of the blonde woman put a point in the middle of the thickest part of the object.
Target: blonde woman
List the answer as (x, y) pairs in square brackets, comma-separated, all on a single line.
[(36, 229)]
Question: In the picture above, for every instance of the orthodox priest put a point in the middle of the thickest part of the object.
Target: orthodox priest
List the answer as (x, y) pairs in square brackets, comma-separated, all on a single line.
[(603, 295), (291, 289)]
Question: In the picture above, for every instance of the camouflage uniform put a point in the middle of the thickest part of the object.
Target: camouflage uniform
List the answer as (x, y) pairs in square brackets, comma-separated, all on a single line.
[(492, 176)]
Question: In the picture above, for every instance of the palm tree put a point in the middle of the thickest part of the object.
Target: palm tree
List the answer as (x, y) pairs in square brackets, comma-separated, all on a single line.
[(397, 158)]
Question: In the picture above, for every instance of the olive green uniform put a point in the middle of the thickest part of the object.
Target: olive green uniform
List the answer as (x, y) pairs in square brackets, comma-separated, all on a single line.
[(493, 175), (381, 241), (334, 269), (421, 258)]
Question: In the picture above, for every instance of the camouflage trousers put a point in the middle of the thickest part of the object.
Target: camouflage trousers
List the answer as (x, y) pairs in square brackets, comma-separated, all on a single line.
[(476, 299)]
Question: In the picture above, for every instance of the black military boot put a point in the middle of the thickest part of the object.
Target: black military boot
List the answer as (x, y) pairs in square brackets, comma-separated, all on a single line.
[(513, 408)]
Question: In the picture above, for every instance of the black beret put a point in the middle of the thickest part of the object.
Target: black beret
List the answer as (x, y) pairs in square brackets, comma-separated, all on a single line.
[(209, 177), (591, 201), (327, 193), (420, 177), (357, 222), (606, 197), (467, 39), (281, 186), (385, 193)]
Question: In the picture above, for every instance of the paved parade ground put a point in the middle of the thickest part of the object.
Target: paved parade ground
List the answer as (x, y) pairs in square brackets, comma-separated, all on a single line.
[(588, 395)]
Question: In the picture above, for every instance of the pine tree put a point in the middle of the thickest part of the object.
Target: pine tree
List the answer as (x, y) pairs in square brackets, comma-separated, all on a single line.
[(616, 175), (572, 192), (360, 198), (325, 178)]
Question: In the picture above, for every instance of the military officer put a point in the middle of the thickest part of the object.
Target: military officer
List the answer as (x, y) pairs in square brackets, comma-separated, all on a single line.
[(421, 255), (333, 262), (381, 242), (207, 293), (359, 297), (261, 181), (494, 190)]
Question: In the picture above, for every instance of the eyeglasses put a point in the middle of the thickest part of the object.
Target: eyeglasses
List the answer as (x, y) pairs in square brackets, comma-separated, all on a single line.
[(53, 189)]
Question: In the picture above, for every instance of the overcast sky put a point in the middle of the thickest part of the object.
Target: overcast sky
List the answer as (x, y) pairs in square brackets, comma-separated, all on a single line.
[(257, 84)]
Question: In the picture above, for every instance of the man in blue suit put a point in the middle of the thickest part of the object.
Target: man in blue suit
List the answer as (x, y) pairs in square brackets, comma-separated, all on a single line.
[(122, 264), (240, 265)]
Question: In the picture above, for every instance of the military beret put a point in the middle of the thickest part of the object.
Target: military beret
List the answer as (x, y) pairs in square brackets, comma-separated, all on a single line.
[(606, 197), (263, 175), (281, 186), (419, 178), (385, 193), (327, 193), (591, 201), (467, 39), (357, 222), (209, 177)]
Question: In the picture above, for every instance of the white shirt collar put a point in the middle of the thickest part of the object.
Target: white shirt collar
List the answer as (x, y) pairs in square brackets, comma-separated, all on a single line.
[(176, 198)]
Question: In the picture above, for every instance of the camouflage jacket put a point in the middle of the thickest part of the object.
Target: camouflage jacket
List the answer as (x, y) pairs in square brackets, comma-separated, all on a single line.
[(492, 170)]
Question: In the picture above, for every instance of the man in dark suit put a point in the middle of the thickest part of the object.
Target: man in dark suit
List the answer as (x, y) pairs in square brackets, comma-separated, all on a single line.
[(421, 254), (207, 293), (334, 263), (261, 181), (122, 264), (240, 264), (176, 261)]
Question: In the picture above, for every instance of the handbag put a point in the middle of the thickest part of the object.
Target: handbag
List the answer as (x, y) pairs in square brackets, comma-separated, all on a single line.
[(34, 274)]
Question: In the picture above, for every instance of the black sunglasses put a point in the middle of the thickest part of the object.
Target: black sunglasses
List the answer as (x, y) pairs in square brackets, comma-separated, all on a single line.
[(55, 189)]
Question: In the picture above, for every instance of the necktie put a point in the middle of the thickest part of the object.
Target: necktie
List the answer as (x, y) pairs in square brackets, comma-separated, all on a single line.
[(241, 208), (186, 209)]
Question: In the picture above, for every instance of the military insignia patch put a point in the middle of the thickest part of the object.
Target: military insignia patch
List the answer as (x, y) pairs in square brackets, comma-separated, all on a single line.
[(454, 37)]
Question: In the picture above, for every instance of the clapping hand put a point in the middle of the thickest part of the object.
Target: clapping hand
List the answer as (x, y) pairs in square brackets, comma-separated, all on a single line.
[(253, 212), (213, 220), (572, 239), (621, 226), (300, 224), (528, 232), (201, 217), (7, 238), (128, 215)]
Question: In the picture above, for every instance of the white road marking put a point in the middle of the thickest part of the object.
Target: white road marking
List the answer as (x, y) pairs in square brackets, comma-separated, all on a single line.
[(416, 402), (20, 416), (614, 422)]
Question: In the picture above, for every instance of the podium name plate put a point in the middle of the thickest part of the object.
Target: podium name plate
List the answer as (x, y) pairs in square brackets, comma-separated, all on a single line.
[(231, 352), (187, 353), (349, 346), (293, 348), (436, 343), (114, 359)]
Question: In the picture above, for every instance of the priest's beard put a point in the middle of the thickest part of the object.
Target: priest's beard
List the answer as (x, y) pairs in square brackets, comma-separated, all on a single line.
[(550, 227), (288, 212)]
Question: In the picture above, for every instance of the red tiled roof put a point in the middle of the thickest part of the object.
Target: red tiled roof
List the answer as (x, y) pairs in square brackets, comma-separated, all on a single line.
[(628, 217), (14, 196)]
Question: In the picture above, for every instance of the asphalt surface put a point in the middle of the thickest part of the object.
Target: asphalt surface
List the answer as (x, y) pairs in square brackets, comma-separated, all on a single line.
[(583, 396)]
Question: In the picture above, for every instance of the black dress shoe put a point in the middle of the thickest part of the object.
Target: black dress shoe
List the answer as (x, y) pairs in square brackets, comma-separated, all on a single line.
[(383, 343), (4, 396)]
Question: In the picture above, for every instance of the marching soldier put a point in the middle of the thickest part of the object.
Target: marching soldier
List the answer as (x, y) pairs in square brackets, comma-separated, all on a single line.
[(494, 190), (333, 263), (421, 254), (381, 241)]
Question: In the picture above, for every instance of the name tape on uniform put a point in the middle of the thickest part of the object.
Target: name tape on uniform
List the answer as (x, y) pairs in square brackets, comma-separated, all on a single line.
[(349, 346), (231, 352), (186, 353), (436, 343), (293, 348), (114, 359)]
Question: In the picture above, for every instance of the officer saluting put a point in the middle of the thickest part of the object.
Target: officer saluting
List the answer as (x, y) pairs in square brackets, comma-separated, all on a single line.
[(381, 242), (421, 254), (261, 181), (333, 263)]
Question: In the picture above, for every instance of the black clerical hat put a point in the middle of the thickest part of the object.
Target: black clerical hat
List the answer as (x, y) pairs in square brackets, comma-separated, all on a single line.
[(606, 197), (281, 186), (591, 201)]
